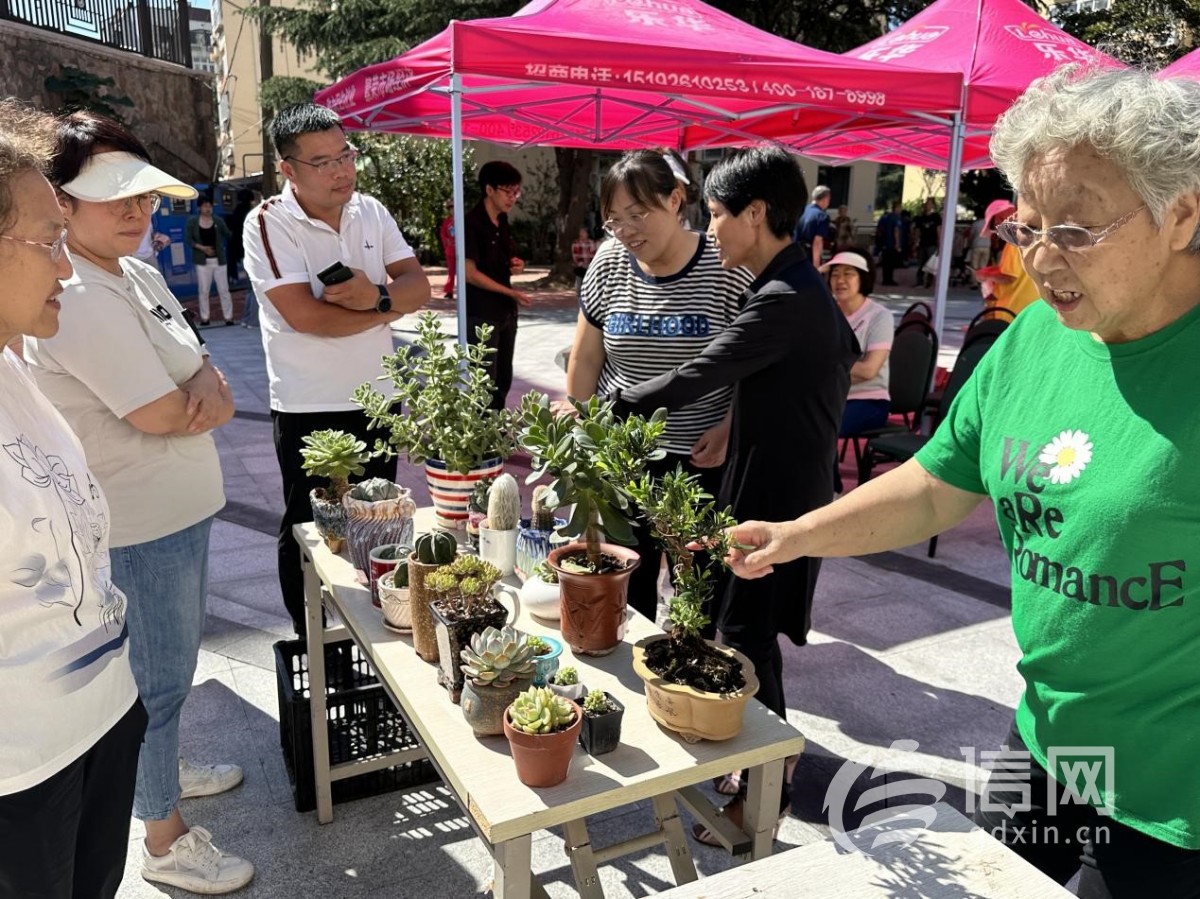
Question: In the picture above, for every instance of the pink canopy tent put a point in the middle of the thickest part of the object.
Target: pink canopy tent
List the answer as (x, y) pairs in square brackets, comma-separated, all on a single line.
[(999, 47), (622, 74), (1187, 66)]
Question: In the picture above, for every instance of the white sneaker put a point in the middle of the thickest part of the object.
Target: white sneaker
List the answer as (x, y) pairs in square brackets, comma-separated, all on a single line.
[(205, 780), (193, 863)]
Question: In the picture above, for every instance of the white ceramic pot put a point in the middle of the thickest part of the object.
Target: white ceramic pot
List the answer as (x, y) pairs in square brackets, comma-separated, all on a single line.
[(541, 599), (499, 548), (394, 601)]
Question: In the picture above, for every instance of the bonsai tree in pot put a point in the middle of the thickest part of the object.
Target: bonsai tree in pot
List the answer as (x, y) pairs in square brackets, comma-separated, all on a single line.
[(439, 415), (601, 731), (591, 456), (335, 455), (497, 666), (542, 729), (693, 686), (464, 606)]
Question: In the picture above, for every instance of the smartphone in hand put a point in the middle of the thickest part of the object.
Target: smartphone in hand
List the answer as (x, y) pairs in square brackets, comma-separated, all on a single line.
[(335, 274)]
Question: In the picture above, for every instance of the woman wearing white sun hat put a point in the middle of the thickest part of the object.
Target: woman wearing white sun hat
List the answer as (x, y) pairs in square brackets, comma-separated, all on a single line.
[(135, 383)]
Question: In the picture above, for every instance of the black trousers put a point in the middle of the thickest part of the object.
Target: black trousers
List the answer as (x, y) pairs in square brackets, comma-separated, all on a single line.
[(890, 261), (68, 837), (643, 583), (1114, 861), (500, 367), (290, 429)]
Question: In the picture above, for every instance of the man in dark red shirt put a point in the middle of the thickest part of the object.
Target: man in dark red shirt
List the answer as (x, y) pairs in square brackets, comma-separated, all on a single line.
[(491, 261)]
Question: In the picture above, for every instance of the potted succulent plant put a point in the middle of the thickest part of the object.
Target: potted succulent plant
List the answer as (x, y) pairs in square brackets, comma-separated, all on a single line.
[(546, 653), (539, 594), (496, 666), (536, 535), (498, 532), (565, 682), (601, 731), (694, 687), (335, 455), (378, 512), (591, 456), (394, 597), (463, 606), (439, 415), (542, 729), (430, 552), (477, 509)]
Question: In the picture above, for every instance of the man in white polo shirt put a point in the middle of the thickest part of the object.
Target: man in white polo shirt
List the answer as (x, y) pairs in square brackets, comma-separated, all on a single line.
[(323, 336)]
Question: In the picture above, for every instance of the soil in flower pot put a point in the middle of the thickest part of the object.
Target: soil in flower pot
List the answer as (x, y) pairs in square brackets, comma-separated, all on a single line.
[(456, 622), (694, 663)]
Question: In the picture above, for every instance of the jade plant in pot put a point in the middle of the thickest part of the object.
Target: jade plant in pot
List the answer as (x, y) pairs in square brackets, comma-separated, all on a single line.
[(542, 729), (601, 731), (496, 667), (439, 415), (430, 552), (463, 607), (498, 532), (591, 456), (335, 455), (695, 687)]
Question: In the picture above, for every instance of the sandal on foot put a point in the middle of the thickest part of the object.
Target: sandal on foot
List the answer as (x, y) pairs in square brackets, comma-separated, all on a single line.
[(728, 784), (702, 834)]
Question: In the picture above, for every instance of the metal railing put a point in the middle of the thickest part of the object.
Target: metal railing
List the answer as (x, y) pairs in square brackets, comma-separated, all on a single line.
[(154, 28)]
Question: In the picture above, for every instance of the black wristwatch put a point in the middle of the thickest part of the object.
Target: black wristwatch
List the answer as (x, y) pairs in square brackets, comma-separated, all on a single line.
[(385, 299)]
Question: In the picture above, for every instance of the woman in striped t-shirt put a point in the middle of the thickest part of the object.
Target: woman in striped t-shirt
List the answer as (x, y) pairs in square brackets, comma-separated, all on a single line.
[(653, 299)]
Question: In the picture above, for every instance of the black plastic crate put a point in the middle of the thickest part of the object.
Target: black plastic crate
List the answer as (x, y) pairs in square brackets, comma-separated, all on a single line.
[(362, 722)]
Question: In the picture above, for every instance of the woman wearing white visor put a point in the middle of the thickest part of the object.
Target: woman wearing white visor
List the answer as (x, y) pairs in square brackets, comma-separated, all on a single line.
[(135, 383)]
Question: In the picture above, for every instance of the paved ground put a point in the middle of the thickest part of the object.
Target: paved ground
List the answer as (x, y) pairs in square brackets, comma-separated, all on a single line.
[(903, 647)]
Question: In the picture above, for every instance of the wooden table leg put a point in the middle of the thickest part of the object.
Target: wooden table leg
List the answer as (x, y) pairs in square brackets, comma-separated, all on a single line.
[(761, 810), (316, 689), (512, 871), (583, 860), (679, 853)]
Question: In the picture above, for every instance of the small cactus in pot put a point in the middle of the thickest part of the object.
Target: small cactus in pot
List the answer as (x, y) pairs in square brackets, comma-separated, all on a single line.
[(542, 517), (335, 455), (498, 532)]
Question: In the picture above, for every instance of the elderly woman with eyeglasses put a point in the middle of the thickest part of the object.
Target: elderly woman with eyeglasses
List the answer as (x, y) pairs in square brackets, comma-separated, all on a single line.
[(1077, 425), (652, 299), (134, 381), (71, 718)]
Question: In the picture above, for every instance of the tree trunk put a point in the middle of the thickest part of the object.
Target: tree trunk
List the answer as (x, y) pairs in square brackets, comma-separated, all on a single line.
[(574, 192)]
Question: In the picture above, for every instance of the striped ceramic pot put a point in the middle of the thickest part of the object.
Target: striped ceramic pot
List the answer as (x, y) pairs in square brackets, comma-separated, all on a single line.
[(451, 490)]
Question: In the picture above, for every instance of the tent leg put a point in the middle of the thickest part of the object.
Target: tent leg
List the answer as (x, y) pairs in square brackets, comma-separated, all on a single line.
[(949, 219), (460, 231)]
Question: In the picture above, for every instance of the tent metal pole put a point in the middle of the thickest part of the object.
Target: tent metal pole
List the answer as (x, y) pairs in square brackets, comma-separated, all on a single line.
[(949, 219), (460, 231)]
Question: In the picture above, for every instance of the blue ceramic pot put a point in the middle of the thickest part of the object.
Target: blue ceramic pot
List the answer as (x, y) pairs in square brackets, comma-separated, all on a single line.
[(533, 546), (546, 665)]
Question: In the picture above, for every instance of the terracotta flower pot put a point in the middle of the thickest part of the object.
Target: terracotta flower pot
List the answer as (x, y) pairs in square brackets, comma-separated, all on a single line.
[(593, 608), (694, 714), (419, 598), (543, 760)]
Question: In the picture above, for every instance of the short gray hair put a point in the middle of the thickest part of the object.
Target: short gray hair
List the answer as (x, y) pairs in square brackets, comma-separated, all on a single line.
[(820, 192), (1147, 126)]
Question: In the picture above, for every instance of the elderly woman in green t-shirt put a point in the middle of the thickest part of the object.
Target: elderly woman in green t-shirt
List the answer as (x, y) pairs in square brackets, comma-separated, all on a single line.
[(1079, 426)]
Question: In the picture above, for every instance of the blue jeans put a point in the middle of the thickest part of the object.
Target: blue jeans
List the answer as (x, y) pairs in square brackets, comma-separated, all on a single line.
[(864, 415), (166, 584), (250, 311)]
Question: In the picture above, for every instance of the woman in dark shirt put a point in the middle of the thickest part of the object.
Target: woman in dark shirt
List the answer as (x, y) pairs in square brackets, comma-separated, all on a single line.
[(787, 355)]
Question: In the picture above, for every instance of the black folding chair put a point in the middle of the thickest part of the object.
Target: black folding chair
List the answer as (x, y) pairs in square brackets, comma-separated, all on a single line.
[(902, 446)]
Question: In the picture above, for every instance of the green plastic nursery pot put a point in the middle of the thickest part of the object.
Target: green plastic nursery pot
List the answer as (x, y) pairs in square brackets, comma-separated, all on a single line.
[(543, 760)]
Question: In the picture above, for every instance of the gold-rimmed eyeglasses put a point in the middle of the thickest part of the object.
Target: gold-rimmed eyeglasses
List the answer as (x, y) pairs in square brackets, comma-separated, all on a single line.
[(55, 246), (617, 227), (147, 204), (1070, 238)]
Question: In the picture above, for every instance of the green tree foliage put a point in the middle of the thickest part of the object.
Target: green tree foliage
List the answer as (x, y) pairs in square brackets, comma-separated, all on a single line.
[(1152, 33)]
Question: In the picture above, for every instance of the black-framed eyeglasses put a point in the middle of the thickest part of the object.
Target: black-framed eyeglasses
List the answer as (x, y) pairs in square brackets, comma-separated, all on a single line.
[(513, 193), (325, 166), (55, 246), (1070, 238)]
